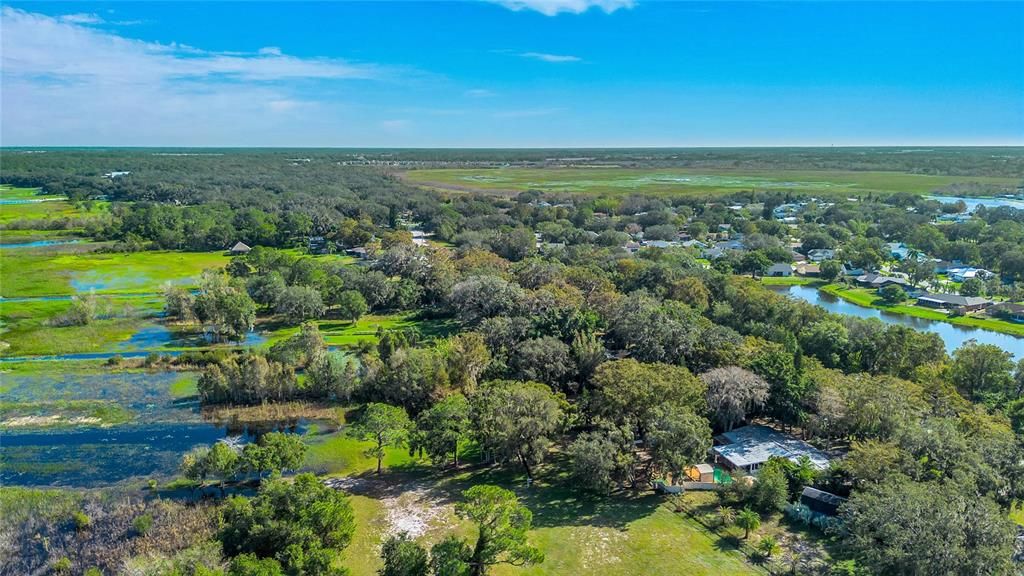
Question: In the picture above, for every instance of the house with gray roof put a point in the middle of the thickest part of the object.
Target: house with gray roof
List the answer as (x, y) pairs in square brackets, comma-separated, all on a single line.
[(954, 301), (749, 447)]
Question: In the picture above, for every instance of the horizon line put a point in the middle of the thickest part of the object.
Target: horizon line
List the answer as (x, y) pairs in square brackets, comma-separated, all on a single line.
[(547, 147)]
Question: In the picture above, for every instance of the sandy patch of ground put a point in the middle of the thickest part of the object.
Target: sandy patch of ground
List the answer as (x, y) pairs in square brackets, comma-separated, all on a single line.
[(602, 546), (415, 509), (51, 420)]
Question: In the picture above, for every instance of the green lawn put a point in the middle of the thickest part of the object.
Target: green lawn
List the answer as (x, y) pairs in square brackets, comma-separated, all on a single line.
[(673, 181), (624, 534), (787, 280)]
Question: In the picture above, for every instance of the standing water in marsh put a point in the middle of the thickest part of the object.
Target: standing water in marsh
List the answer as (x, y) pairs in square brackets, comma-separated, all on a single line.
[(165, 424)]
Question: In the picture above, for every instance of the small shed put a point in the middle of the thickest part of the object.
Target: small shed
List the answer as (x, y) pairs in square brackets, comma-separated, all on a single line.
[(820, 501), (701, 473), (240, 248)]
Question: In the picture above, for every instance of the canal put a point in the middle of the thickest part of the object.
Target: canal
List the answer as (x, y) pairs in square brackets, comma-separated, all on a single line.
[(952, 334)]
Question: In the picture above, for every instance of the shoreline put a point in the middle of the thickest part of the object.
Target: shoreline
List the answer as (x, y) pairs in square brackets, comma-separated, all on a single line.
[(861, 299)]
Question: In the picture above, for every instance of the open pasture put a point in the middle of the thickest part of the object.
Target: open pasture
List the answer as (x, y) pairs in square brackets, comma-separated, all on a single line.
[(675, 181)]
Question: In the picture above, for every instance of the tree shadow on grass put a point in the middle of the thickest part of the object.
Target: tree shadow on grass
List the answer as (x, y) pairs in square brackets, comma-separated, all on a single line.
[(552, 497), (728, 543)]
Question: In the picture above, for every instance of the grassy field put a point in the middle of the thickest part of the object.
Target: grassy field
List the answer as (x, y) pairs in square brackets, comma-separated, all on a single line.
[(347, 334), (624, 534), (26, 326), (34, 274), (668, 182), (30, 205)]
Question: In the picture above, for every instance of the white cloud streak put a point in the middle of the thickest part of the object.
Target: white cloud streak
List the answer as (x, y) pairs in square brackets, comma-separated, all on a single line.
[(553, 58), (556, 7), (80, 18)]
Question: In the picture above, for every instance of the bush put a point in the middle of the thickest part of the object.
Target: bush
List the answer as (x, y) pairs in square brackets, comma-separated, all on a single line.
[(62, 566), (143, 524), (82, 520), (115, 360)]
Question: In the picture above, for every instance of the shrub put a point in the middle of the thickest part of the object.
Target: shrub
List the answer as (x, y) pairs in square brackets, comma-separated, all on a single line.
[(62, 566), (82, 520), (143, 524)]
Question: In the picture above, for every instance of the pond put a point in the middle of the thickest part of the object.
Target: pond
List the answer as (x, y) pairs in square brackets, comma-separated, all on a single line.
[(31, 200), (953, 335), (973, 203), (148, 340), (37, 244)]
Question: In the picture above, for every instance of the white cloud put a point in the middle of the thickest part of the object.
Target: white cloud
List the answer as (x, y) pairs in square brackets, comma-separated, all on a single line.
[(64, 82), (80, 18), (555, 7), (555, 58), (479, 93)]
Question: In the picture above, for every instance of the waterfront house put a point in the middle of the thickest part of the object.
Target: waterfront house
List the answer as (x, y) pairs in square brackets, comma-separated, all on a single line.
[(807, 269), (953, 301), (873, 280), (1007, 310), (779, 269)]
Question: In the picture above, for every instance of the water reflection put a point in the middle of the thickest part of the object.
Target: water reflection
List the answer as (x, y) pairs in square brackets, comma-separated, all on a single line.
[(96, 456)]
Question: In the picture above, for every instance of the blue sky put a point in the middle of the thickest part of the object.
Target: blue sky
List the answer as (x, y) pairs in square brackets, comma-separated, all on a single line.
[(514, 73)]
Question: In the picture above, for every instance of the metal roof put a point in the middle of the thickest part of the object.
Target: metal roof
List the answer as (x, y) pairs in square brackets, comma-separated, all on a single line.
[(754, 445)]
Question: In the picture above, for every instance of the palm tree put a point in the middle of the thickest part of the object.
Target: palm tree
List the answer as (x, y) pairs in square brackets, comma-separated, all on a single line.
[(768, 546), (726, 515), (748, 520)]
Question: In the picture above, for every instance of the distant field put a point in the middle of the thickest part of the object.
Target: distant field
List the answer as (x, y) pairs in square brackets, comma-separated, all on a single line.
[(28, 204), (669, 182)]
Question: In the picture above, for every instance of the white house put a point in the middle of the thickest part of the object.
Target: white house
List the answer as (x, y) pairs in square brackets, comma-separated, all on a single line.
[(780, 269)]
